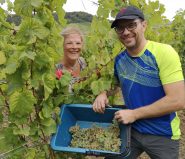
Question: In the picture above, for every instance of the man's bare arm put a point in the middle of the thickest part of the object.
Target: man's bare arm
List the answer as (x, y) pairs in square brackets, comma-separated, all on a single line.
[(174, 100)]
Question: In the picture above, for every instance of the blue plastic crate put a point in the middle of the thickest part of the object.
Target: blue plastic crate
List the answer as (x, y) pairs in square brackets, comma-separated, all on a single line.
[(84, 116)]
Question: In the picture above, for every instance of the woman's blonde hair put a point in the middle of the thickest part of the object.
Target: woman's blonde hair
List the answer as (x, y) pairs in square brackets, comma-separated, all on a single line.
[(72, 30)]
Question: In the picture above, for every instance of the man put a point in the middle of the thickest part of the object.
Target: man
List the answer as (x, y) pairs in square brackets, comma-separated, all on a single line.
[(152, 83)]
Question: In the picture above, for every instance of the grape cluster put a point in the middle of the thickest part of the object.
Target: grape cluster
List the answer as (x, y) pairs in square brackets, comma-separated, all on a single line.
[(97, 138)]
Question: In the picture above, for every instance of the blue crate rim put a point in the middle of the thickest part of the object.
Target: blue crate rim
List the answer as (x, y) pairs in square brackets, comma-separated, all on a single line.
[(91, 151)]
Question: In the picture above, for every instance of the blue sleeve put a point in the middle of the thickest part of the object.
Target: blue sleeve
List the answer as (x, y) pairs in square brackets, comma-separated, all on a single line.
[(115, 71)]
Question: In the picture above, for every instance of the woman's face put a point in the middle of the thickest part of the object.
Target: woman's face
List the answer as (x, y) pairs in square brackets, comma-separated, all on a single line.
[(72, 46)]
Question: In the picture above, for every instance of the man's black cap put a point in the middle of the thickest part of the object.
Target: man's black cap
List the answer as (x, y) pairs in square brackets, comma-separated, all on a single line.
[(129, 12)]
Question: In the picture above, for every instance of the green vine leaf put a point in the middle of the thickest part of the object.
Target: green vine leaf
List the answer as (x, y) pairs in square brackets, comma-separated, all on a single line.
[(65, 79), (60, 11), (30, 29), (22, 131), (31, 154), (22, 103), (12, 64), (36, 3), (49, 126), (99, 86), (2, 58), (29, 54), (2, 101), (23, 7), (4, 23), (15, 81), (46, 112), (11, 139), (49, 84)]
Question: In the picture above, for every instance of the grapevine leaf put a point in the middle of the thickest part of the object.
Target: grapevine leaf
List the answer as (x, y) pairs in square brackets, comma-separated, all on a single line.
[(117, 48), (102, 12), (34, 129), (31, 28), (65, 79), (52, 53), (59, 99), (22, 103), (14, 118), (47, 111), (15, 81), (32, 39), (12, 64), (2, 101), (134, 2), (10, 5), (60, 11), (23, 7), (2, 58), (104, 58), (22, 131), (36, 3), (47, 122), (99, 86), (31, 154), (5, 34), (26, 73), (49, 126), (35, 81), (4, 23), (11, 139), (1, 115), (91, 62), (49, 84), (29, 54)]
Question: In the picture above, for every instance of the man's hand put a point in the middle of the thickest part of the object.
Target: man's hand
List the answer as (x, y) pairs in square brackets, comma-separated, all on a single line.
[(125, 116), (100, 102)]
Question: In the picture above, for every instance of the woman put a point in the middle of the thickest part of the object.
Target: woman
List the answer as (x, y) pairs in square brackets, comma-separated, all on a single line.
[(71, 61)]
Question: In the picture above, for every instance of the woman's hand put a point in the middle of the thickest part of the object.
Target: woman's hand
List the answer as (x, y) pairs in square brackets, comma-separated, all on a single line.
[(100, 102)]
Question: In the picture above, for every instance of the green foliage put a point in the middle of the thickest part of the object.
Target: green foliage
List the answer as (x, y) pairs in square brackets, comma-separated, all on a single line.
[(28, 54), (177, 27), (20, 106), (2, 58), (99, 86), (25, 7)]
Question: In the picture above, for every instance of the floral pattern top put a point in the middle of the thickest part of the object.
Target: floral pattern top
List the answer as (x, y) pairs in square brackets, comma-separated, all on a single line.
[(60, 67)]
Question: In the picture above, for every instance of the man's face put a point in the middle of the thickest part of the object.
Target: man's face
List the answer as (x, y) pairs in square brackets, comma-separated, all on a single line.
[(131, 32)]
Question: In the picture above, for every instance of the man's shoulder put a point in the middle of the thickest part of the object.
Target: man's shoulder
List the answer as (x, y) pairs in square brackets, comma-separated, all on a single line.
[(160, 49), (158, 45), (120, 55)]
